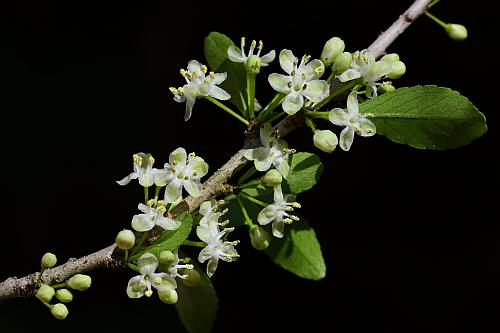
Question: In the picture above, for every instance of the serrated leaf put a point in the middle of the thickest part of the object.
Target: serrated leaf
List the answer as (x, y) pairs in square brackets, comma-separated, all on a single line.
[(216, 45), (299, 251), (169, 240), (197, 306), (305, 171), (426, 117)]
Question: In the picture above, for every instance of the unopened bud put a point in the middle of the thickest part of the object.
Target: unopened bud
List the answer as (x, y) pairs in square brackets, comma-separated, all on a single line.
[(191, 277), (45, 293), (456, 31), (259, 238), (390, 57), (168, 296), (325, 140), (385, 88), (59, 310), (125, 239), (398, 69), (64, 295), (166, 257), (333, 47), (341, 63), (49, 260), (272, 178), (79, 282)]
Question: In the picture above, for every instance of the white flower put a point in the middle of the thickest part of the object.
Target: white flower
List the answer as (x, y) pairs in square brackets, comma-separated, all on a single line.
[(237, 55), (274, 152), (277, 212), (301, 81), (208, 231), (199, 85), (173, 269), (352, 120), (151, 217), (143, 169), (184, 171), (364, 65), (141, 284)]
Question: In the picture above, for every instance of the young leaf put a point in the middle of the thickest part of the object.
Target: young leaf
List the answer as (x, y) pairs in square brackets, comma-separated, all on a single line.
[(426, 117), (169, 240), (216, 45), (305, 171), (197, 306), (299, 251)]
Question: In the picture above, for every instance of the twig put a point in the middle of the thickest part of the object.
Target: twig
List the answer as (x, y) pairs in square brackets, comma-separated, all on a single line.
[(216, 184)]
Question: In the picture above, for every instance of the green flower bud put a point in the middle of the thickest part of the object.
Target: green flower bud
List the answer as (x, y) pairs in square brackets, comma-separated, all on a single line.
[(333, 47), (45, 293), (191, 277), (259, 238), (64, 295), (341, 63), (386, 87), (272, 178), (398, 69), (168, 296), (49, 260), (166, 257), (80, 282), (325, 140), (59, 310), (456, 31), (390, 57), (125, 239), (253, 64)]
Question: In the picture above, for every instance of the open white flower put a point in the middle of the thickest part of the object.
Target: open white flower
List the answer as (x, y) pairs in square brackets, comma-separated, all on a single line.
[(184, 171), (198, 84), (239, 55), (144, 171), (151, 217), (175, 266), (364, 65), (217, 249), (301, 81), (141, 284), (278, 212), (352, 120), (274, 152)]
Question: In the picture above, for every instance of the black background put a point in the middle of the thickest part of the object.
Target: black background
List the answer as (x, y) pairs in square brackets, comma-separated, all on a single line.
[(408, 235)]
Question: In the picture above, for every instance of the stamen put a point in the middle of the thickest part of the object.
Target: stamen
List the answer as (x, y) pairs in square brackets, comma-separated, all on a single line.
[(252, 47), (137, 159), (296, 205), (212, 75), (261, 45), (287, 221), (181, 90), (148, 293), (150, 202), (204, 69), (173, 90), (295, 218)]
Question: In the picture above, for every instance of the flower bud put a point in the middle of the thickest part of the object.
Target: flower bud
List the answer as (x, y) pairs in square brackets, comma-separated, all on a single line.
[(456, 31), (342, 63), (166, 257), (386, 87), (59, 310), (125, 239), (325, 140), (168, 296), (49, 260), (79, 282), (272, 178), (64, 295), (45, 293), (253, 64), (398, 69), (333, 47), (191, 277), (259, 238), (390, 57)]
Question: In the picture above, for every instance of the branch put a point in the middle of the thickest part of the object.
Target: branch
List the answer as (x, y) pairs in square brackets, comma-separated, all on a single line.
[(216, 184)]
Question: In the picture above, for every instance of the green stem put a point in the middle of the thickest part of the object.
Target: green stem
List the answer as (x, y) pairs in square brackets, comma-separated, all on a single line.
[(146, 195), (138, 246), (59, 285), (251, 95), (250, 183), (310, 124), (432, 4), (45, 303), (435, 19), (228, 110), (126, 255), (249, 173), (331, 77), (193, 243), (277, 100), (157, 192), (317, 114), (248, 220), (336, 93), (133, 267), (276, 116), (252, 199), (39, 278)]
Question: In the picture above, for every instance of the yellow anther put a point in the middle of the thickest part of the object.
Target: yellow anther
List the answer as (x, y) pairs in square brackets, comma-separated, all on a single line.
[(204, 69), (161, 210), (189, 266), (137, 159), (261, 44), (254, 44), (180, 90), (242, 43), (157, 280), (212, 75), (225, 211), (148, 293), (319, 70), (159, 203), (306, 58), (223, 224), (183, 72), (151, 159), (228, 230), (295, 218), (150, 202), (191, 155), (173, 90), (184, 277), (142, 284), (288, 221), (221, 202), (296, 205)]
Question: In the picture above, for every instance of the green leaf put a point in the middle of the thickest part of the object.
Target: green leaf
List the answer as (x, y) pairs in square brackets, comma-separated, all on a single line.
[(169, 240), (305, 171), (299, 251), (197, 306), (216, 45), (426, 117)]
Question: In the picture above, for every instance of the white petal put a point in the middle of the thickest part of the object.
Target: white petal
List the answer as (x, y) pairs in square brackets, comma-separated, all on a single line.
[(206, 208), (189, 107), (280, 82), (205, 254), (142, 223), (352, 104), (278, 228), (338, 117), (178, 158), (293, 103), (219, 93), (269, 57), (127, 179), (263, 163), (134, 289), (147, 179), (349, 75), (287, 60), (316, 90), (194, 66), (235, 54), (167, 223), (173, 191), (282, 166), (179, 98), (192, 187), (314, 70), (266, 215), (248, 154), (278, 195), (366, 128), (219, 78), (203, 233), (197, 168), (144, 208), (147, 263), (162, 177), (212, 266), (266, 133), (346, 138)]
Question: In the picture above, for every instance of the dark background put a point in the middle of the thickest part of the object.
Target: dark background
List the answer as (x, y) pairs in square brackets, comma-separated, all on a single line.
[(408, 235)]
